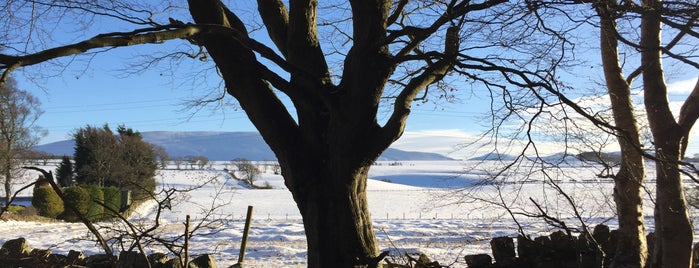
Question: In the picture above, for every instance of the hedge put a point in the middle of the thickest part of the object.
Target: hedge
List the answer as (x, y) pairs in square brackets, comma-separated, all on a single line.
[(78, 197), (112, 199), (95, 210)]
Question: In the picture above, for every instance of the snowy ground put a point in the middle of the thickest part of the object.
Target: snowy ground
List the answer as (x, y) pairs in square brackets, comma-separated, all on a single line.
[(439, 208)]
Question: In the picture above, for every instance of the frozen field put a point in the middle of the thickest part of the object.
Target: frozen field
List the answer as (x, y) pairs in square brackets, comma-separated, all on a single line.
[(440, 208)]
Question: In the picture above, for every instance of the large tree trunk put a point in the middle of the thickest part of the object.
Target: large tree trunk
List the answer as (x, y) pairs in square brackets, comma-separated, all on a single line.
[(335, 214), (673, 246), (326, 152), (673, 229), (632, 249)]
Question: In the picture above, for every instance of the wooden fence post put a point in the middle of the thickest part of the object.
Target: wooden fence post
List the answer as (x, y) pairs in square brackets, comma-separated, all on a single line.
[(186, 242), (244, 241)]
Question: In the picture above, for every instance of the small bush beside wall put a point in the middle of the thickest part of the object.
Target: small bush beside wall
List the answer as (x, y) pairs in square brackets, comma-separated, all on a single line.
[(47, 202)]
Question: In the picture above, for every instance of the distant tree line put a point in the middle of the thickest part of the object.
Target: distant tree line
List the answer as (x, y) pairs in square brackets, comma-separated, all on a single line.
[(192, 162)]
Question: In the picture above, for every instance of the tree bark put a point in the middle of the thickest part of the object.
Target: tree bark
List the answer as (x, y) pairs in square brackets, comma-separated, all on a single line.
[(8, 188), (673, 229), (632, 249), (689, 113), (338, 226)]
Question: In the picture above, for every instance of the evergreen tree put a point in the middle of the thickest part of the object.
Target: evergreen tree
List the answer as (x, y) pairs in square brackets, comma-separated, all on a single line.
[(64, 172), (95, 155), (121, 160), (139, 162)]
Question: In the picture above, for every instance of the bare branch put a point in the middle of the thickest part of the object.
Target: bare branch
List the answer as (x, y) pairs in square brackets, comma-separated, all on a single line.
[(688, 116), (141, 36), (418, 35), (303, 46), (401, 109), (153, 35), (276, 18), (397, 12)]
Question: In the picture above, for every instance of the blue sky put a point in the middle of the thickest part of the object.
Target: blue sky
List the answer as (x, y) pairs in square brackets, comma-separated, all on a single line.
[(153, 102), (150, 101), (94, 90), (137, 104)]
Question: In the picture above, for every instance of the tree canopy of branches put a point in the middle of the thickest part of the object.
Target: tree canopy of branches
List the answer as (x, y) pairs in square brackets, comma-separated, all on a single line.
[(122, 160), (19, 111), (631, 46), (381, 56)]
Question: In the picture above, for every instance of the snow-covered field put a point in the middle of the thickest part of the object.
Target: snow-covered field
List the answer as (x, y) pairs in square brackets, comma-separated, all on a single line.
[(442, 209)]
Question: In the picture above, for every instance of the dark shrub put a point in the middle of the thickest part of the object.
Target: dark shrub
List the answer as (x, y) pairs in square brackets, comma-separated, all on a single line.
[(78, 197)]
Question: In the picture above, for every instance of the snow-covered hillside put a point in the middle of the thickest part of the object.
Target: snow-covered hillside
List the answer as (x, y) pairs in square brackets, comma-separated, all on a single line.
[(442, 208)]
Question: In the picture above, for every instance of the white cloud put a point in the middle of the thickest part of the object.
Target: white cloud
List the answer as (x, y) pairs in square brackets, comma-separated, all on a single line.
[(460, 144), (445, 142), (682, 86)]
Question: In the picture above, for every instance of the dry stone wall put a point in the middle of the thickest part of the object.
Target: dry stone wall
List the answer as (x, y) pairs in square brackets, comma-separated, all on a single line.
[(557, 250), (16, 253)]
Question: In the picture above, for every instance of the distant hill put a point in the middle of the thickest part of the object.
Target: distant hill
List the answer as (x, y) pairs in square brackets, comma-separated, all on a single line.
[(557, 157), (493, 156), (596, 157), (613, 157), (223, 146)]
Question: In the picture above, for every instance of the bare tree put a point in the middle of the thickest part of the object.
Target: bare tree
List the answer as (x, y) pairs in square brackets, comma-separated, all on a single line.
[(632, 248), (178, 161), (19, 111), (202, 161), (250, 172), (385, 55), (128, 235), (48, 176), (674, 231), (645, 54), (163, 157)]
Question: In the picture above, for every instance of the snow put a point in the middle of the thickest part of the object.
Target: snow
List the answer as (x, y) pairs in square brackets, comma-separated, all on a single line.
[(441, 208)]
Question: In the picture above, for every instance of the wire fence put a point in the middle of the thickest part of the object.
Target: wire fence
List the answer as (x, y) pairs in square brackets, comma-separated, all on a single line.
[(393, 216)]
